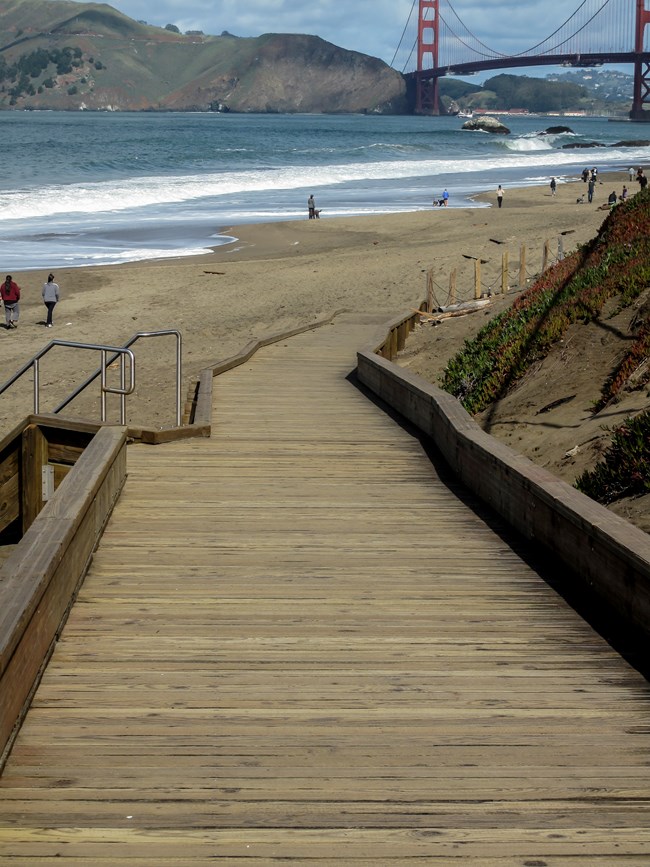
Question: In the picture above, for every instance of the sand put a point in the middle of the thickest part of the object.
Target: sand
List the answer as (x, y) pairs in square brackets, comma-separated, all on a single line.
[(274, 276)]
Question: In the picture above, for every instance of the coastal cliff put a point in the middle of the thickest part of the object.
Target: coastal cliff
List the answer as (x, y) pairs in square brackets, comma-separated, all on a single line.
[(56, 54)]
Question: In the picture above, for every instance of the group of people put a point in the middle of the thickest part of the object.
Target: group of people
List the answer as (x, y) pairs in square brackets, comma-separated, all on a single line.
[(589, 177), (10, 294)]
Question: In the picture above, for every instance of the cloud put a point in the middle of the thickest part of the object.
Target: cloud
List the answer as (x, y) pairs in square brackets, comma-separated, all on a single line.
[(370, 26)]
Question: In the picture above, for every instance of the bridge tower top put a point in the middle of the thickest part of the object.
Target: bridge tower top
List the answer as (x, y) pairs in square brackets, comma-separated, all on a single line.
[(428, 41), (428, 33), (641, 96)]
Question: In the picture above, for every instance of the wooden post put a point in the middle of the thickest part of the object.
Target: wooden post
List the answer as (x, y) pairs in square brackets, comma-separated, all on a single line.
[(392, 347), (34, 458), (402, 334), (504, 272), (522, 266), (429, 290), (560, 248), (452, 287), (546, 255), (477, 278)]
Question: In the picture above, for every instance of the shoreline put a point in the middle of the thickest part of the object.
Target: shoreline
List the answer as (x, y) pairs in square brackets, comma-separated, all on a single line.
[(204, 240), (275, 277)]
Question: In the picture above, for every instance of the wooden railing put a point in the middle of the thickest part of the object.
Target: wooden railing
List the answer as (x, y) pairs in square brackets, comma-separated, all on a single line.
[(54, 544), (396, 333), (608, 554)]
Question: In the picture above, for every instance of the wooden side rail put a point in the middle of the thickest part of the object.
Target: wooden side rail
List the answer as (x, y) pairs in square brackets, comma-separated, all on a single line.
[(397, 331), (34, 459), (40, 578), (608, 553)]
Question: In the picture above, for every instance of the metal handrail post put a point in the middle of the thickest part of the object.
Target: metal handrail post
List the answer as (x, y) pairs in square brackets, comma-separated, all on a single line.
[(122, 395), (179, 384), (37, 383), (102, 401)]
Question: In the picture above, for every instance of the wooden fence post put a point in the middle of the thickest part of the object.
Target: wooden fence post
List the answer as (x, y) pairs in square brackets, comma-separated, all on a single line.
[(546, 255), (452, 287), (522, 266), (430, 290), (477, 278), (34, 458), (504, 272)]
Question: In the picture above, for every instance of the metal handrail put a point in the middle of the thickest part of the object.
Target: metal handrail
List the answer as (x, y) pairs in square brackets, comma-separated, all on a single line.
[(162, 333), (121, 351)]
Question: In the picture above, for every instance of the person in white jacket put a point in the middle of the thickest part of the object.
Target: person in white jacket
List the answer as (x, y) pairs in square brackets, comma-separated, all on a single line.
[(50, 298)]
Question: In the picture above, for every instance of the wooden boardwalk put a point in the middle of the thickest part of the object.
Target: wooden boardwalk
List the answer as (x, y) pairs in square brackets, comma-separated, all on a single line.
[(297, 644)]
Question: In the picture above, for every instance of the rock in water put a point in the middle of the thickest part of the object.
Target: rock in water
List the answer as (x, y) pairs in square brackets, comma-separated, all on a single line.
[(487, 124)]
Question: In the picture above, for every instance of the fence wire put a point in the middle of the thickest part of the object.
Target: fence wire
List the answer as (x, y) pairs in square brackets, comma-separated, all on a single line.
[(490, 284)]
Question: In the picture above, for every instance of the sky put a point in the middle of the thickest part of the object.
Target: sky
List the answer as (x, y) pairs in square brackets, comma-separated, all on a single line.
[(372, 27)]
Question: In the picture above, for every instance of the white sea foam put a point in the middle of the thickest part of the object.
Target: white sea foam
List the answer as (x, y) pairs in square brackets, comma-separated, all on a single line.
[(144, 192), (134, 254), (528, 144)]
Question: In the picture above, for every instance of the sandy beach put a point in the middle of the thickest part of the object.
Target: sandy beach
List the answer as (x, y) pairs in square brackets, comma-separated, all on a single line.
[(278, 276)]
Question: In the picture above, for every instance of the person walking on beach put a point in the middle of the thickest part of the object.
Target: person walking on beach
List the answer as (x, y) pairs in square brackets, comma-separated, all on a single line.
[(10, 294), (311, 207), (641, 178), (445, 198), (630, 172), (553, 186), (591, 186), (500, 195), (50, 294)]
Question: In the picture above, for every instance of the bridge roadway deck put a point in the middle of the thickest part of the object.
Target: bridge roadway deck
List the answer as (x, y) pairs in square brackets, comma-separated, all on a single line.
[(297, 643)]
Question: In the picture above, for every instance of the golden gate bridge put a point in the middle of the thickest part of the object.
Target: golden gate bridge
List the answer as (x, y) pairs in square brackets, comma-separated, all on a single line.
[(595, 33)]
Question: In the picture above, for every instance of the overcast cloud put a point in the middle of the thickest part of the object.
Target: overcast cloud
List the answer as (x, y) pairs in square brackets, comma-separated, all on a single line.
[(371, 26)]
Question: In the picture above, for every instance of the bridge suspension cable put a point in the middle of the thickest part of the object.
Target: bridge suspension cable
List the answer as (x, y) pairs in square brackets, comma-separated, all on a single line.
[(401, 39), (491, 52), (564, 23), (594, 26)]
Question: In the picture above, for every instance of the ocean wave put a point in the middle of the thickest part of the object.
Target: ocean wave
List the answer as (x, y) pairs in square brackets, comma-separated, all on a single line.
[(135, 254), (139, 193), (527, 144)]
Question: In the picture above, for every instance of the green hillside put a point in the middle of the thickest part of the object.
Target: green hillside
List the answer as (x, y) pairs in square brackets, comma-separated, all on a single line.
[(614, 270), (56, 54)]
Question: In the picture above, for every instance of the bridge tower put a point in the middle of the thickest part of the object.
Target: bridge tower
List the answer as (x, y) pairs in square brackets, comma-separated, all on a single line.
[(428, 33), (641, 67)]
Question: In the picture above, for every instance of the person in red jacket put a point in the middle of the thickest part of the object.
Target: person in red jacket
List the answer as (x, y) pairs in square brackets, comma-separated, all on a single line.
[(10, 294)]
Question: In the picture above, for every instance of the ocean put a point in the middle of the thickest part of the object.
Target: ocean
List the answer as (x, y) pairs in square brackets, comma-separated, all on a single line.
[(84, 188)]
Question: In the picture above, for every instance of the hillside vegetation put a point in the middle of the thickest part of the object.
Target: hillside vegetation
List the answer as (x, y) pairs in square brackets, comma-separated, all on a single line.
[(609, 275), (67, 55), (561, 93)]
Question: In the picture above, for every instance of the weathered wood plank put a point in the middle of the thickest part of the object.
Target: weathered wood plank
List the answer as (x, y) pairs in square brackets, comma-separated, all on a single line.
[(10, 488), (33, 459)]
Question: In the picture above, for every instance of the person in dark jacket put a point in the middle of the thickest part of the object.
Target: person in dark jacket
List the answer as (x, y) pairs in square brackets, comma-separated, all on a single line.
[(10, 294)]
